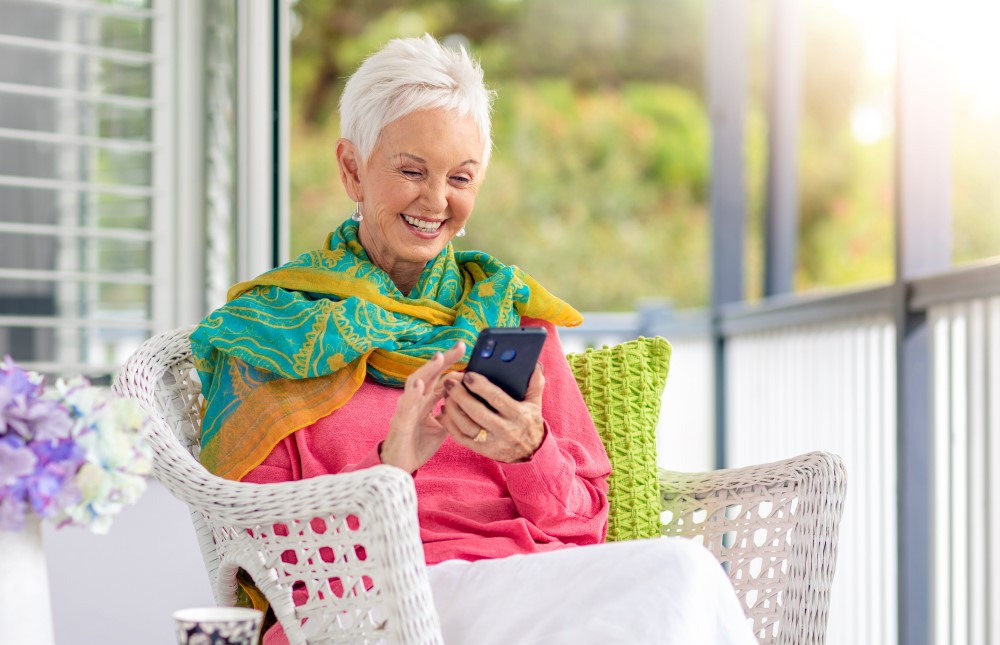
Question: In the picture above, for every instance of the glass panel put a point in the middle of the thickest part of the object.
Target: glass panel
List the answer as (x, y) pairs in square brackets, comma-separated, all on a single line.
[(846, 145), (122, 257), (121, 167), (119, 122), (112, 346), (27, 251), (26, 112), (122, 302), (50, 161), (135, 34), (24, 343), (98, 347), (28, 159), (113, 211), (129, 257), (43, 114), (27, 19), (34, 67), (41, 68), (975, 130), (32, 206), (70, 306), (73, 299), (31, 20), (28, 206), (598, 179), (124, 79)]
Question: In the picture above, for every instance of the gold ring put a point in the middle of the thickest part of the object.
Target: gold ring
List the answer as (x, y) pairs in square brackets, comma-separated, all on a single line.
[(482, 436)]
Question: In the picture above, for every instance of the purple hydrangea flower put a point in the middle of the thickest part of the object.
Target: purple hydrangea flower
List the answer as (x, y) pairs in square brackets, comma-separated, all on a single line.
[(74, 455), (15, 460), (16, 381), (38, 419)]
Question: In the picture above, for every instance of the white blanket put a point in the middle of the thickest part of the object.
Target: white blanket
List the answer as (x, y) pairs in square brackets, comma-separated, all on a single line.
[(668, 590)]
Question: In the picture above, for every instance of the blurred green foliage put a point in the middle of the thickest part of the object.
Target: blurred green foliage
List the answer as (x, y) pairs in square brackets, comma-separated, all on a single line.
[(846, 187), (599, 179), (598, 182), (975, 180)]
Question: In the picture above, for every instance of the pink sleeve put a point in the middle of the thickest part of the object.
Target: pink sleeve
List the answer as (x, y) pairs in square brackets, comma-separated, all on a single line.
[(563, 488), (284, 463)]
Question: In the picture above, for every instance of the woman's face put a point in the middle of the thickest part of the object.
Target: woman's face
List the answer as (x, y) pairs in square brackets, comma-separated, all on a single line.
[(418, 188)]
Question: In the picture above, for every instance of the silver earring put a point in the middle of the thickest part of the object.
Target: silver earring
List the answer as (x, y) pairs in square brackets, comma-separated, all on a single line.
[(461, 232), (356, 215)]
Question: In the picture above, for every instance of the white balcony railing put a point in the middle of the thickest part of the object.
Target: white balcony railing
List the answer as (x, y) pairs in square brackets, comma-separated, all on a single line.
[(830, 386), (966, 454)]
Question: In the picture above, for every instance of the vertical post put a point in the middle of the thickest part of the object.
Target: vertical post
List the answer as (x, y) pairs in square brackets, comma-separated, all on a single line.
[(223, 165), (282, 105), (726, 74), (922, 246), (164, 245), (255, 112), (188, 137), (784, 104)]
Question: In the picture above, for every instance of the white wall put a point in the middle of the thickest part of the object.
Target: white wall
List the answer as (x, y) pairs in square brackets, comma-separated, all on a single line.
[(685, 434), (122, 588)]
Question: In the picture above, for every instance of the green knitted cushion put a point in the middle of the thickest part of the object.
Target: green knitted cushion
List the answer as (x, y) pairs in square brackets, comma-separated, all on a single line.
[(622, 386)]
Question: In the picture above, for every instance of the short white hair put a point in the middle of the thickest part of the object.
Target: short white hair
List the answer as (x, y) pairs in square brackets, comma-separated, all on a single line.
[(408, 75)]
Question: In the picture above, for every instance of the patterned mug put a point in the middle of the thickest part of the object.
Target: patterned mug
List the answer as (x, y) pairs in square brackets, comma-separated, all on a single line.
[(218, 626)]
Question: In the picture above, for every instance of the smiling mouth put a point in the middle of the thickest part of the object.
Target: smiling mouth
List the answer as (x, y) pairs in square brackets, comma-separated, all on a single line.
[(424, 226)]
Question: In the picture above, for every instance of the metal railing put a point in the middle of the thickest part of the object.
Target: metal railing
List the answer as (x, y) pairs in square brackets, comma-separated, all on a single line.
[(818, 372), (685, 438), (964, 314)]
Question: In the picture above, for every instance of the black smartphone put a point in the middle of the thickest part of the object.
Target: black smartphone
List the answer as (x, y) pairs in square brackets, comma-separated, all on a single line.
[(507, 357)]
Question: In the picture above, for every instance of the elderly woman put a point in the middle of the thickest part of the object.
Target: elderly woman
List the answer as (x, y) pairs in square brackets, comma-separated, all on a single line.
[(350, 356)]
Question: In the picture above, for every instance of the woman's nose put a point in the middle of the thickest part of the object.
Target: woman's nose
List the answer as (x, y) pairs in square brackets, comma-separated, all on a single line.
[(435, 197)]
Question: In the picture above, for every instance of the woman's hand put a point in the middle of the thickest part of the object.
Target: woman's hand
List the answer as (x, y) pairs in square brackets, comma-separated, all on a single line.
[(512, 433), (414, 433)]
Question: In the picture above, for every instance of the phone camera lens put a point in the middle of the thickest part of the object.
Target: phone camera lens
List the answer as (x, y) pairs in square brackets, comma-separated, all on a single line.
[(488, 348)]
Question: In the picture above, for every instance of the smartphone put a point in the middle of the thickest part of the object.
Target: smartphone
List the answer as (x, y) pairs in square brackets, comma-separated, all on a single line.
[(507, 357)]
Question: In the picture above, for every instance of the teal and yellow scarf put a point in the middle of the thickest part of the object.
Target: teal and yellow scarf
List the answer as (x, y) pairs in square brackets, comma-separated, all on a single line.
[(294, 344)]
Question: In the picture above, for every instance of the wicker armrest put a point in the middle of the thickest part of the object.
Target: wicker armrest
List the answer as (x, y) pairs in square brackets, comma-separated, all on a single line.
[(774, 527), (348, 544)]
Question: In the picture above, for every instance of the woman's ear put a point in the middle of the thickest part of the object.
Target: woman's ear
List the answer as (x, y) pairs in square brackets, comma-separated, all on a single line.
[(350, 169)]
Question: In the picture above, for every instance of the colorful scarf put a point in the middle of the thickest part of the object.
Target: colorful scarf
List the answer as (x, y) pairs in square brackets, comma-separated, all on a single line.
[(294, 344)]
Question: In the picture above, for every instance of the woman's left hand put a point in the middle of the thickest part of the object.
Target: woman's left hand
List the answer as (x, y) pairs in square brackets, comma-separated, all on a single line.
[(513, 433)]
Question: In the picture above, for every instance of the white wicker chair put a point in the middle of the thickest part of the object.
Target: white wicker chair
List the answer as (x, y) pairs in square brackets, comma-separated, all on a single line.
[(773, 526)]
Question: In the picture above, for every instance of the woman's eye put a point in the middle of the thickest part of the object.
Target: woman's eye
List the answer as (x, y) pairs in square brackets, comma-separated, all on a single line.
[(461, 179), (410, 173)]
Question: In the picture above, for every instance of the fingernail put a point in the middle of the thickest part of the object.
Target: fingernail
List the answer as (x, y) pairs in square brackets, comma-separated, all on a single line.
[(448, 385), (437, 355), (469, 378)]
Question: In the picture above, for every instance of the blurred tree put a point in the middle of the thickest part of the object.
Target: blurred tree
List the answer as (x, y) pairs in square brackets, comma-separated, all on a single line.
[(598, 183), (845, 186), (599, 177), (976, 191), (337, 34)]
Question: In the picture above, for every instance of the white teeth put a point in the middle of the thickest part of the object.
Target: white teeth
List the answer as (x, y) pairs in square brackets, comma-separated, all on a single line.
[(421, 224)]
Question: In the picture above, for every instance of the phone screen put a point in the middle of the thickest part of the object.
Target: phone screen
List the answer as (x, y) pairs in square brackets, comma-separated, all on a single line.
[(507, 357)]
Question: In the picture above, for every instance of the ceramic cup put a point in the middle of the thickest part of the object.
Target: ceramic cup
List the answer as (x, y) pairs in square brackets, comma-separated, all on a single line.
[(218, 626)]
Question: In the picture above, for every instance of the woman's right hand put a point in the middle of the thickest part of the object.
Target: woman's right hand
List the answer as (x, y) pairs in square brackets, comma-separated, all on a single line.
[(414, 432)]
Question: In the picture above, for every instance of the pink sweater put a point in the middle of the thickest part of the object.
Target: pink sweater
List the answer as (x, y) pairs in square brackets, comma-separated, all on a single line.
[(471, 507)]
